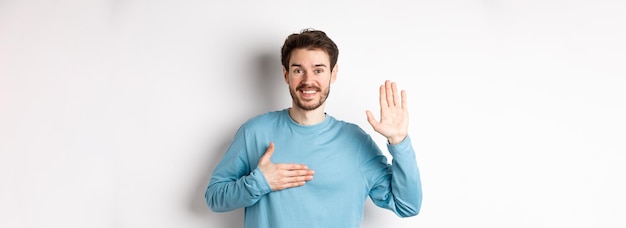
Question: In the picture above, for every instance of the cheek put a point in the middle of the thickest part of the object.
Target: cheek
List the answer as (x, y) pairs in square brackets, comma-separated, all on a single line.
[(292, 84), (293, 81)]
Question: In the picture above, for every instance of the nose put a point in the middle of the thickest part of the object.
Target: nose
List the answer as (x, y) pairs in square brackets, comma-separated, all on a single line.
[(306, 77)]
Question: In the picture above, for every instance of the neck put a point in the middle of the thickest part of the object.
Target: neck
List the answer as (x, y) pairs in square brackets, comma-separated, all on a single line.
[(307, 117)]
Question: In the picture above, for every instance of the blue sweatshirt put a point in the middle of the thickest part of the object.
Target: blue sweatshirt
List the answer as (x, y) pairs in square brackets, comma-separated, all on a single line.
[(348, 166)]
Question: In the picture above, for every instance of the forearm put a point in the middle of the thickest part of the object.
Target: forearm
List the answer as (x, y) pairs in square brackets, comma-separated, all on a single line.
[(406, 184), (226, 195)]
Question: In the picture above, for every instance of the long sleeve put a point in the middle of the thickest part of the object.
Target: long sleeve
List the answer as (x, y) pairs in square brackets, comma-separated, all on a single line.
[(348, 166), (397, 186), (234, 184)]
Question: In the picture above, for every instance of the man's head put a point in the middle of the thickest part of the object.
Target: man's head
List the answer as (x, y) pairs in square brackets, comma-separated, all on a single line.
[(309, 39), (309, 62)]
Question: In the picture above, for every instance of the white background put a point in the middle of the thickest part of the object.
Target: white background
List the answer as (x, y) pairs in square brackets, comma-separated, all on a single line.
[(114, 113)]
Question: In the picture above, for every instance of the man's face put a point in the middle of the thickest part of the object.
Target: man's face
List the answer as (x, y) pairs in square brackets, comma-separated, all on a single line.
[(309, 77)]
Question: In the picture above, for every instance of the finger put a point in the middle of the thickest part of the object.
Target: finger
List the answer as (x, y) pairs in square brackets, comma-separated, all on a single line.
[(291, 183), (389, 93), (371, 119), (299, 173), (294, 184), (383, 97), (404, 102), (265, 159), (298, 179), (395, 94), (292, 167)]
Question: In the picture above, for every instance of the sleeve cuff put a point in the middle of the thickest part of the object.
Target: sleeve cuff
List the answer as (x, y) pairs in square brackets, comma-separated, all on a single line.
[(402, 147), (257, 183)]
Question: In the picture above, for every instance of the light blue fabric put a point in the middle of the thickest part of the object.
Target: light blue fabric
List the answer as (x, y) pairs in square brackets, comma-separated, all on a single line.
[(348, 166)]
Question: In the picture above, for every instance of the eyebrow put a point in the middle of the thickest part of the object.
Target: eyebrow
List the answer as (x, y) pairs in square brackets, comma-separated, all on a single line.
[(316, 65)]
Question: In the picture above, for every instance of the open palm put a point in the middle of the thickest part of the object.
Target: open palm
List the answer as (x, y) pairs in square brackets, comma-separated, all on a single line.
[(394, 117)]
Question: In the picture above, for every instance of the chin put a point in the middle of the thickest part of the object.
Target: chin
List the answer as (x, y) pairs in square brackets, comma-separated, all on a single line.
[(308, 106)]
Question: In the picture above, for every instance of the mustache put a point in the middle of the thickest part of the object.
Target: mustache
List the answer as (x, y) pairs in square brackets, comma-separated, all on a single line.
[(300, 87)]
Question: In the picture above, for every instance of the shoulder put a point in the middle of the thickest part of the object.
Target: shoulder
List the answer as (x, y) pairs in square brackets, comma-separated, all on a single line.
[(354, 138), (349, 128), (262, 121)]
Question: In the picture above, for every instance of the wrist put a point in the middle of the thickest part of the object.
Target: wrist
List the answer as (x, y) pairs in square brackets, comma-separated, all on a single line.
[(396, 140)]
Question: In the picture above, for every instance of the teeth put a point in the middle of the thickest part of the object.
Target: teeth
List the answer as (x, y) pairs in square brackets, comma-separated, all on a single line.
[(308, 91)]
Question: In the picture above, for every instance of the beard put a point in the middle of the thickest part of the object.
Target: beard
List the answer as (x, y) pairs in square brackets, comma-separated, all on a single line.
[(313, 105)]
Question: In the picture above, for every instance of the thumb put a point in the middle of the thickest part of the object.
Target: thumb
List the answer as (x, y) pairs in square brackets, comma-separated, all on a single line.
[(371, 119), (268, 154)]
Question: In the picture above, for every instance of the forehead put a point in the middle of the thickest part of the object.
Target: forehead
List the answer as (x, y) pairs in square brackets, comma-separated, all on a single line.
[(309, 57)]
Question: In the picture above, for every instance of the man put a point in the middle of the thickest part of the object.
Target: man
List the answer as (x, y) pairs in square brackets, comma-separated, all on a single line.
[(300, 167)]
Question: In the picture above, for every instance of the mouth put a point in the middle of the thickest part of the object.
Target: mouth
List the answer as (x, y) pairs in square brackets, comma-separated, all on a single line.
[(308, 93)]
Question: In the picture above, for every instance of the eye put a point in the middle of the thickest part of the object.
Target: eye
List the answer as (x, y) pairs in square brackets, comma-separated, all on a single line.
[(297, 71), (319, 71)]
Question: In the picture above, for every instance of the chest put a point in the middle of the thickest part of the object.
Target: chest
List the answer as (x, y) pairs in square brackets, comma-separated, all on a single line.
[(336, 164)]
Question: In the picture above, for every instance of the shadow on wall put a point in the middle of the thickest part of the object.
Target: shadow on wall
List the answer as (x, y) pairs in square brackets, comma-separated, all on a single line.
[(269, 82), (198, 203), (267, 88)]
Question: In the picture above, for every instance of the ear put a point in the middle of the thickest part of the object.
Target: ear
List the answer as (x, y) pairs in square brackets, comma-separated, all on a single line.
[(285, 75), (333, 75)]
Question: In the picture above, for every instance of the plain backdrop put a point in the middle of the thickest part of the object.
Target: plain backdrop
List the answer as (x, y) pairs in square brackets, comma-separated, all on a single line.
[(114, 113)]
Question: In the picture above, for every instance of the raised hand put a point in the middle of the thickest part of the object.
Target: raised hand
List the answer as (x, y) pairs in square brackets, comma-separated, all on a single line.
[(283, 176), (394, 117)]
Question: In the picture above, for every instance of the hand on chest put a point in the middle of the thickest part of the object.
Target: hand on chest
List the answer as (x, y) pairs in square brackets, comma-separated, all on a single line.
[(334, 166)]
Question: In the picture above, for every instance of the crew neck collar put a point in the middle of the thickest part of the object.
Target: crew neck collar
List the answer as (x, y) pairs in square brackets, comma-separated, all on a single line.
[(314, 127)]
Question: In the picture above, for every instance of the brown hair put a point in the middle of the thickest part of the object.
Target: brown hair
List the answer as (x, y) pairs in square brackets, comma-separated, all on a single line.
[(309, 39)]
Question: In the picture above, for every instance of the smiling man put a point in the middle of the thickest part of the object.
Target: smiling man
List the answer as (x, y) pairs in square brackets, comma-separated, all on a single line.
[(300, 167)]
